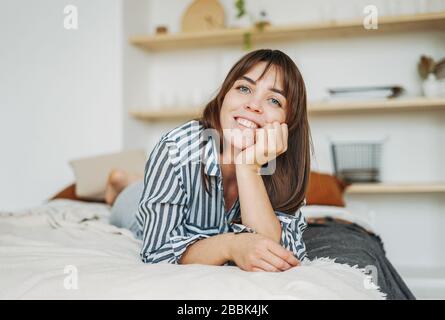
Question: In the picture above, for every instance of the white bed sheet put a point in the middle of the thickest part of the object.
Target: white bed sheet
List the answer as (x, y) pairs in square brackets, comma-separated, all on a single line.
[(43, 249), (354, 214)]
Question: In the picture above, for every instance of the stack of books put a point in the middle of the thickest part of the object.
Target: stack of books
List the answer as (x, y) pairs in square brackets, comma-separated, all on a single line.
[(365, 93)]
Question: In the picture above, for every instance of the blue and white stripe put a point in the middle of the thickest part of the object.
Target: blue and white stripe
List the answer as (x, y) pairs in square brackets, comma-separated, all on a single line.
[(175, 210)]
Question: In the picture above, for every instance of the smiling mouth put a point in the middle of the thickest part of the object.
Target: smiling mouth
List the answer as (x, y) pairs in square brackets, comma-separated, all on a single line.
[(244, 123)]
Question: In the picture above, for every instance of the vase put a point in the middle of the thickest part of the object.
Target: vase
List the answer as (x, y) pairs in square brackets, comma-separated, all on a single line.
[(430, 86), (441, 88)]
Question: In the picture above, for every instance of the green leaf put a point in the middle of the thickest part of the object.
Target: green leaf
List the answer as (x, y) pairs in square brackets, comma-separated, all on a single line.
[(241, 7), (247, 37)]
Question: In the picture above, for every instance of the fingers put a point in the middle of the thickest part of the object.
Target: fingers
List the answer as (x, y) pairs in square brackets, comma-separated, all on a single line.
[(261, 146), (276, 261), (277, 137), (265, 266), (282, 136), (270, 141), (284, 254), (273, 140), (285, 132)]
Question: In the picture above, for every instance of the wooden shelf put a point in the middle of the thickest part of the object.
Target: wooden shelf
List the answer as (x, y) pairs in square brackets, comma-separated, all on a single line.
[(391, 188), (400, 104), (232, 36), (319, 108)]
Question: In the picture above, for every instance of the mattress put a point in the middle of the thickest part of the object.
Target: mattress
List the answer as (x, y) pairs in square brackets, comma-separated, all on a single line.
[(66, 249)]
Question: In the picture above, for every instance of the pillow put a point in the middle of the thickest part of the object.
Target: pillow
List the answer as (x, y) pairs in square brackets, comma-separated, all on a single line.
[(325, 189), (70, 193), (92, 173)]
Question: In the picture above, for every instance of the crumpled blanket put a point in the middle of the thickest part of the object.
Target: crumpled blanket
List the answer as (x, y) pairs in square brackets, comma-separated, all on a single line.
[(66, 249)]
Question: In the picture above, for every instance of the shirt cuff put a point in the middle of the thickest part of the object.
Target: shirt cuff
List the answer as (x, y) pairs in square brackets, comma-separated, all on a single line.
[(293, 227), (239, 228), (180, 244), (297, 221)]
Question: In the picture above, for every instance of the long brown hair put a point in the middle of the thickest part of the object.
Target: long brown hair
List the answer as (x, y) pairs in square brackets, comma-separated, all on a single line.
[(286, 187)]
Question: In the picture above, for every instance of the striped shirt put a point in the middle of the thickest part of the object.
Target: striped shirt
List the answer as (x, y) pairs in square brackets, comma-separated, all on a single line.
[(175, 210)]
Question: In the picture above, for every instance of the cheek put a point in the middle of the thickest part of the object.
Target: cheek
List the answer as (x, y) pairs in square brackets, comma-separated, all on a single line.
[(224, 114), (276, 115), (229, 100), (230, 104)]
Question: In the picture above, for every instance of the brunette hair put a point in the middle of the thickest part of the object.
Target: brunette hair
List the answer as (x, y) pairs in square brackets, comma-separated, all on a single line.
[(287, 186)]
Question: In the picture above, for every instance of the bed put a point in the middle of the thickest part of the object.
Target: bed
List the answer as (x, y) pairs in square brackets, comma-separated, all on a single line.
[(66, 249)]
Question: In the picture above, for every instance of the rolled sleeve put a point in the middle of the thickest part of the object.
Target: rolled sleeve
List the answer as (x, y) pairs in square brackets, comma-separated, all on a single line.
[(240, 228), (187, 234), (180, 243), (292, 228)]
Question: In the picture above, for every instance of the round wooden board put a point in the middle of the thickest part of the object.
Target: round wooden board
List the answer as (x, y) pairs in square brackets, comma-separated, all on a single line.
[(203, 15)]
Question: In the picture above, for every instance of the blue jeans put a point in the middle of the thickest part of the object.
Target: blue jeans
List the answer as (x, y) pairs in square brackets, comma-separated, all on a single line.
[(125, 207)]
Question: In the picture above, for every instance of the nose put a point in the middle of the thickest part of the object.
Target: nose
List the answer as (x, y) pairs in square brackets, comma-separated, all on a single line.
[(254, 107)]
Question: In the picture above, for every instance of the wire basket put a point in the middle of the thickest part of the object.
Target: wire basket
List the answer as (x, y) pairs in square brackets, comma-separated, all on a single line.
[(357, 161)]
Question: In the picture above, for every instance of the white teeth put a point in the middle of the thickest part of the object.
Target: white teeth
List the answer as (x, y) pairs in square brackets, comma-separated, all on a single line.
[(246, 123)]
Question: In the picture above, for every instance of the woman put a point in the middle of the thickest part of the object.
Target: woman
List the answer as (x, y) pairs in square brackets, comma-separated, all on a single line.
[(228, 187), (198, 205)]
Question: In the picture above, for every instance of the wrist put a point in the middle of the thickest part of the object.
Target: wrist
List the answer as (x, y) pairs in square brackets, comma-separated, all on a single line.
[(229, 246), (247, 168)]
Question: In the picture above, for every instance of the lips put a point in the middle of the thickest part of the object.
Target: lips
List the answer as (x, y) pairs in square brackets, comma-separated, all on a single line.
[(247, 123)]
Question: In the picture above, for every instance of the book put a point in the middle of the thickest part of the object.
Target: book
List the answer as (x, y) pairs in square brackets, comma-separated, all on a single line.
[(365, 93)]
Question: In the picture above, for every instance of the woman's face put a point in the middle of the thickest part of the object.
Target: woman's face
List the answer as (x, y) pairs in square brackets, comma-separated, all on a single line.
[(250, 104)]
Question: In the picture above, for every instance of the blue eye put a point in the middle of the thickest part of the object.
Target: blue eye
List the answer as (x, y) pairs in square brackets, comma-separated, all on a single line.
[(240, 88), (275, 101)]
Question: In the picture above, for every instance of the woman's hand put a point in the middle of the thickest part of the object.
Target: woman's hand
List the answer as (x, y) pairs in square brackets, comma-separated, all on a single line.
[(270, 141), (254, 252)]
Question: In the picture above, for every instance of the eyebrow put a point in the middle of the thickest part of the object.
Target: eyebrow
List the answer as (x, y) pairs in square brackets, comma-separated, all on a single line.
[(271, 89)]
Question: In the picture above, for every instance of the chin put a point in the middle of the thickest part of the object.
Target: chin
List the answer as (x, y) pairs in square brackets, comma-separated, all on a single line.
[(241, 141), (238, 136)]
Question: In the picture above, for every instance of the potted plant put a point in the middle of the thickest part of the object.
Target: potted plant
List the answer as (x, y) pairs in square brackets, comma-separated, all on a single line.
[(246, 20), (433, 76)]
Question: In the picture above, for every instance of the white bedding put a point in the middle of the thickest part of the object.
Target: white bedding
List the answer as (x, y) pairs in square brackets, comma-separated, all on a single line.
[(355, 214), (43, 249)]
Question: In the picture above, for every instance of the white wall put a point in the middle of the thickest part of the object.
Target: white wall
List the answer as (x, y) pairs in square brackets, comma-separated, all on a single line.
[(135, 72), (410, 225), (60, 94)]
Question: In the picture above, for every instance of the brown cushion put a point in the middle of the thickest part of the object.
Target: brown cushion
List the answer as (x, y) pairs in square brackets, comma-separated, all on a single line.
[(325, 189)]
